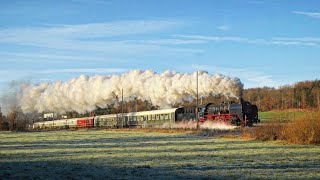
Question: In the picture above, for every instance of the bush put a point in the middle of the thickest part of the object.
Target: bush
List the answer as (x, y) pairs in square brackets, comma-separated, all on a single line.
[(305, 130), (268, 132)]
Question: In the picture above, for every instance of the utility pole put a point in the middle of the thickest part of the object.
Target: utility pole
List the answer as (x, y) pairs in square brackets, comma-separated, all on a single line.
[(122, 108), (117, 106), (197, 107), (135, 103)]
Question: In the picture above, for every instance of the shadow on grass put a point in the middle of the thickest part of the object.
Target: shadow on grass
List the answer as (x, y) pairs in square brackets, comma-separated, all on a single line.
[(91, 170), (135, 142), (81, 170), (196, 162)]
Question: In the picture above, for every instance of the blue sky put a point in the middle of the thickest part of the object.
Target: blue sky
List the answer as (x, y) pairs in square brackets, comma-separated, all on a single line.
[(264, 43)]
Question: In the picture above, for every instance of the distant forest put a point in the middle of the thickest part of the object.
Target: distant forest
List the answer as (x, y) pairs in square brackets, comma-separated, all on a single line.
[(302, 95)]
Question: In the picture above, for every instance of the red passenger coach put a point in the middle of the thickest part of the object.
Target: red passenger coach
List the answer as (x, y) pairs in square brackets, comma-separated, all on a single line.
[(88, 122)]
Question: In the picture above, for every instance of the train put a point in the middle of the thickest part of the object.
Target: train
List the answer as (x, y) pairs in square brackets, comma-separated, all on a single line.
[(238, 114)]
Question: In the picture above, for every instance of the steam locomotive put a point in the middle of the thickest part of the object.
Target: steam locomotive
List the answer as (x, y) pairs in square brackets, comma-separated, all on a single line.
[(239, 114)]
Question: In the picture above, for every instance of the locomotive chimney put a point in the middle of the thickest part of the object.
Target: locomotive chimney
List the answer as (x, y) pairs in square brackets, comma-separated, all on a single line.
[(241, 96)]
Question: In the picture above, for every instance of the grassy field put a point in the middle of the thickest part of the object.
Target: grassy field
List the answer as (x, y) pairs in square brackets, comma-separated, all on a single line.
[(280, 115), (139, 155)]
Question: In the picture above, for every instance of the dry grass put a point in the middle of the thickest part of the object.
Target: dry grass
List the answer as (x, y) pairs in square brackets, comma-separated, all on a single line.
[(269, 132), (304, 130)]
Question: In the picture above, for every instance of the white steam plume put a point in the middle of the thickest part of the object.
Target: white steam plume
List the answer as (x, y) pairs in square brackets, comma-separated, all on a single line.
[(193, 125), (85, 93)]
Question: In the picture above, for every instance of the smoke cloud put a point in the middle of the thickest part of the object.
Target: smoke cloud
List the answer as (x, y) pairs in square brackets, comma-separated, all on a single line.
[(84, 94), (9, 100)]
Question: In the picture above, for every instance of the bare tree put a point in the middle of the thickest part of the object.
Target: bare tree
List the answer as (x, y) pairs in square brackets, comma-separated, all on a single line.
[(19, 120), (13, 117), (1, 119)]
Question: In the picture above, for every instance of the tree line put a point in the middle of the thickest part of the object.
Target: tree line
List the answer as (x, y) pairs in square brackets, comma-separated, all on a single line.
[(302, 95), (15, 119)]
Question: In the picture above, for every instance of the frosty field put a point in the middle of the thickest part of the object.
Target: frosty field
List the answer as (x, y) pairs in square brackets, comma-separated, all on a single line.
[(137, 154)]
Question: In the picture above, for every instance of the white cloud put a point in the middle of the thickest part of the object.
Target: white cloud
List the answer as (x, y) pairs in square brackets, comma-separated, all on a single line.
[(311, 41), (90, 37), (294, 43), (224, 28), (84, 70), (213, 38), (112, 39), (171, 41), (87, 31), (307, 41), (47, 57), (309, 14), (303, 39)]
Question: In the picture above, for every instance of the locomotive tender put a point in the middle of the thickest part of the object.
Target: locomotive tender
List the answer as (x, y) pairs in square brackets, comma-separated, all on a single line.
[(244, 114)]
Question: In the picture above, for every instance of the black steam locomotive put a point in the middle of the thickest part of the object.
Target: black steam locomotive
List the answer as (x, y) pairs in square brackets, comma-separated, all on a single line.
[(239, 114)]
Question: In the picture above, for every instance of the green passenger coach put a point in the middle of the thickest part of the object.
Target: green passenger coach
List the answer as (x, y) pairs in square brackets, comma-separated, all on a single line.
[(151, 118)]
